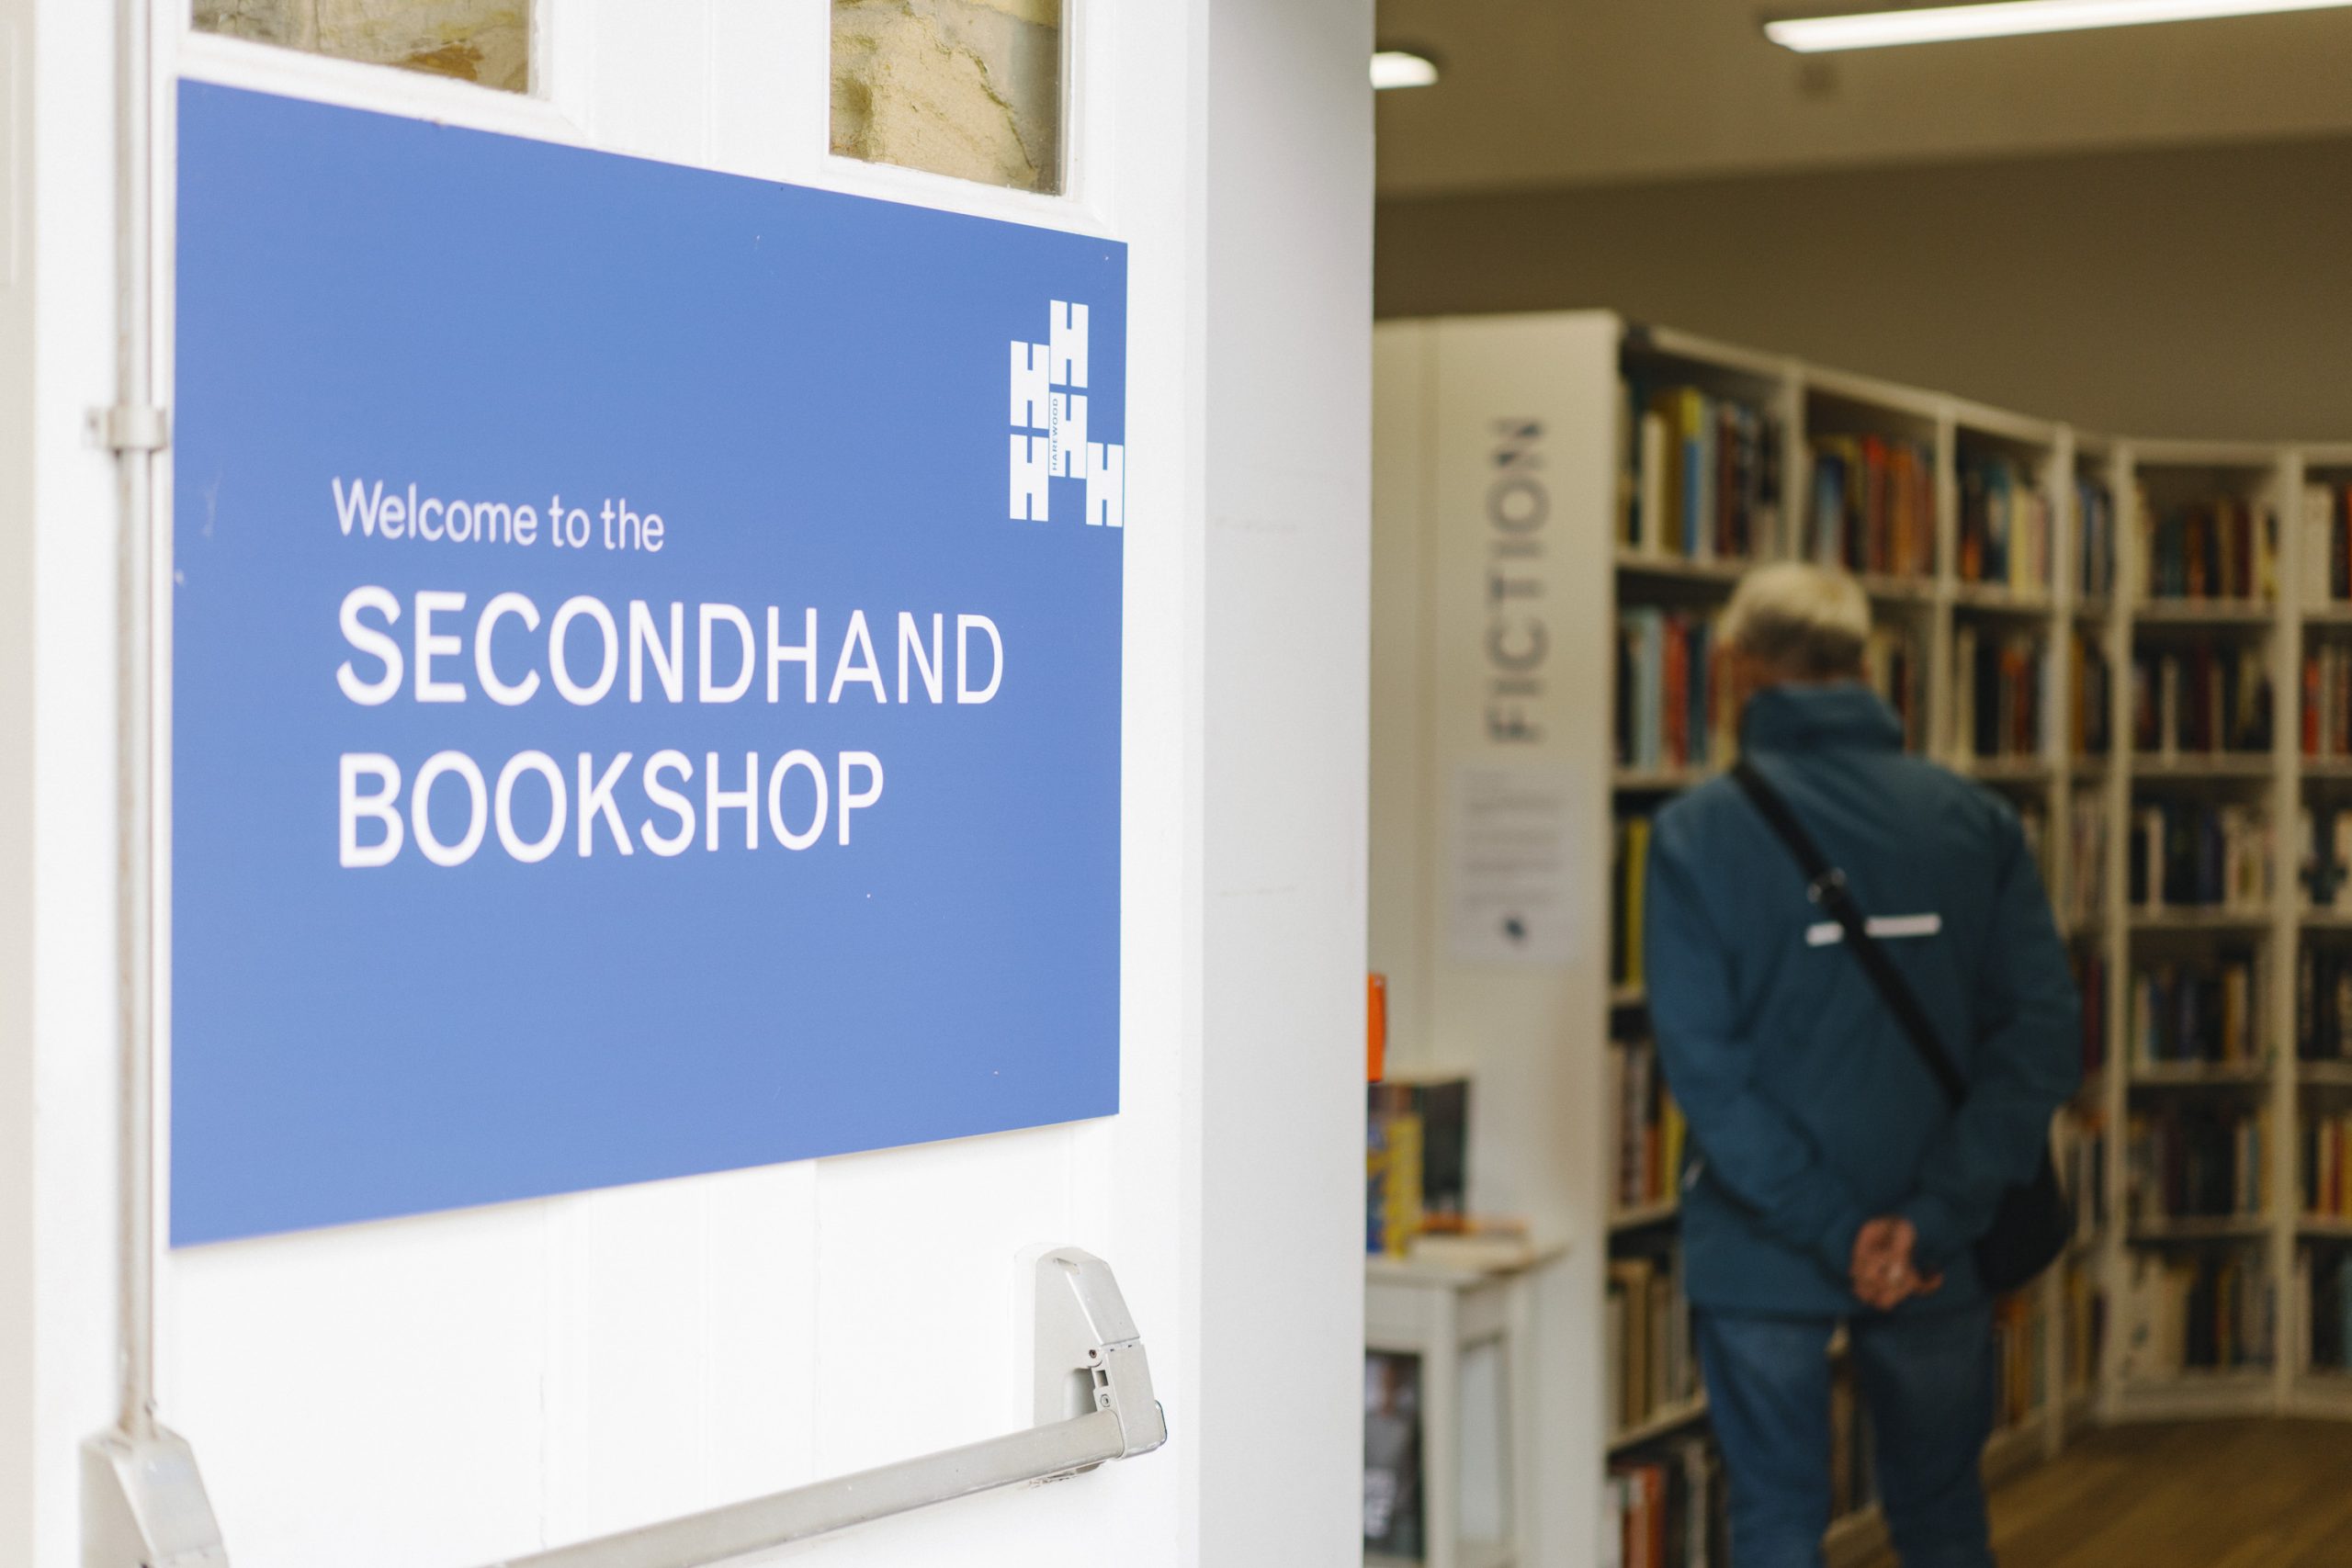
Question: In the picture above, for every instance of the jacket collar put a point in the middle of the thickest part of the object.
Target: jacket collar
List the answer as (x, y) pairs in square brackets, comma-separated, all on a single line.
[(1848, 713)]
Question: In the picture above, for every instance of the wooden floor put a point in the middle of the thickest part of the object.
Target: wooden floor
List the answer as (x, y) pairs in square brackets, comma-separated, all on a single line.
[(2211, 1494)]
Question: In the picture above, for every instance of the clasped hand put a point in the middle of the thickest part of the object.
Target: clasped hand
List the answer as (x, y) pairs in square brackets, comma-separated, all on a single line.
[(1885, 1275)]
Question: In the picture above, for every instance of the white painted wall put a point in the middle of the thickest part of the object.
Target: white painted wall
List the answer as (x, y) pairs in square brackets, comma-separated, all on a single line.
[(57, 748), (1524, 1032), (448, 1388), (1284, 574)]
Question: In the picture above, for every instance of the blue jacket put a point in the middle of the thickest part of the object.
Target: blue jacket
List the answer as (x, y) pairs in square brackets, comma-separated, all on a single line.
[(1808, 1111)]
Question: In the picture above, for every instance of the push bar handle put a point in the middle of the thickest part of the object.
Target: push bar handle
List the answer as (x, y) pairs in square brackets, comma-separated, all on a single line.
[(1089, 1354)]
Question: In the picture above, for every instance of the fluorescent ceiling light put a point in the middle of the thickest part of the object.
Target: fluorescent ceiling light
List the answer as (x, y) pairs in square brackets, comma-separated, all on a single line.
[(1399, 68), (2007, 18)]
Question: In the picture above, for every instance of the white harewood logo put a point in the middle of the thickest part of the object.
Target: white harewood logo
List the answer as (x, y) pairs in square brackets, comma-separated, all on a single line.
[(1049, 427)]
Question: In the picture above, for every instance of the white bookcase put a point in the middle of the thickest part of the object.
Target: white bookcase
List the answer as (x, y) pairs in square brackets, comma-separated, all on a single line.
[(1498, 572)]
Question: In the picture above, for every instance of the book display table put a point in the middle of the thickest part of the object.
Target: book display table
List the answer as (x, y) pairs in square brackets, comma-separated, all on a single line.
[(1439, 1312)]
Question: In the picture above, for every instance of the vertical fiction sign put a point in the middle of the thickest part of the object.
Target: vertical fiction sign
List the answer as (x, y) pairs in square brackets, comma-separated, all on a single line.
[(624, 724), (1517, 508), (1509, 814)]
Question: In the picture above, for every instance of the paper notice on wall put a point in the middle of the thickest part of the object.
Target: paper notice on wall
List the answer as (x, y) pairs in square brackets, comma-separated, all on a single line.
[(1511, 865)]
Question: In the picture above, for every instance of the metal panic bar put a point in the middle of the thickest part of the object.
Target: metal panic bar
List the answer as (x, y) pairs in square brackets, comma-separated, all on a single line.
[(1094, 1404)]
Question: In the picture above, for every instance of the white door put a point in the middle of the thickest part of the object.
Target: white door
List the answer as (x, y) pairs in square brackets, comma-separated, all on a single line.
[(452, 1388)]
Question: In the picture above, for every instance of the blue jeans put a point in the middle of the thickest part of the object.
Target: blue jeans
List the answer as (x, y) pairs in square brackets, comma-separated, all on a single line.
[(1928, 1381)]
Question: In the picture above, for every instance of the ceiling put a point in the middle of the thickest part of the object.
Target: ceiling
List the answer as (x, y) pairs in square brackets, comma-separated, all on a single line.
[(1546, 93)]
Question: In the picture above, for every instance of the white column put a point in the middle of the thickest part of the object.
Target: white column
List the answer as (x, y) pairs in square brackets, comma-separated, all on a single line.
[(57, 996), (1285, 589)]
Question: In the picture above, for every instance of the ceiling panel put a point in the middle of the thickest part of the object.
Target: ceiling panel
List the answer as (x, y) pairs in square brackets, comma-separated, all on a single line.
[(1573, 91)]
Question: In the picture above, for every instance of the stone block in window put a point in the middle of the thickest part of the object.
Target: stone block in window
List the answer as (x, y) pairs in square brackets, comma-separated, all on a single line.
[(487, 41), (971, 88)]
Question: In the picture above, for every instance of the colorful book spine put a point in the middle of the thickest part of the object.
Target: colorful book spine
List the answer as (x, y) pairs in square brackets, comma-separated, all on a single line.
[(2198, 1162), (2326, 728), (2003, 533), (2082, 890), (2093, 683), (2209, 1013), (2327, 1165), (1647, 1127), (1656, 1368), (2324, 1004), (2208, 1313), (1895, 662), (2201, 699), (1872, 509), (1700, 478), (2325, 570), (2323, 1282), (1628, 876), (2197, 854), (1671, 711), (1999, 681), (1667, 1509), (2222, 548), (2324, 839), (2093, 539)]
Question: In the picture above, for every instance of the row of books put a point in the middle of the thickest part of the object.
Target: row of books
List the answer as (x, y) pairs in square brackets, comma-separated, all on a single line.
[(1391, 1192), (1873, 506), (2324, 1286), (2207, 698), (2326, 1166), (2033, 825), (2089, 966), (1629, 868), (2093, 539), (1667, 1510), (2083, 1307), (2223, 548), (1894, 661), (2081, 894), (1702, 476), (2327, 701), (2323, 1003), (2325, 833), (2210, 1312), (1998, 694), (1417, 1159), (2089, 712), (2326, 567), (1394, 1522), (1652, 1365), (2198, 1161), (2079, 1148), (1671, 711), (2208, 1011), (2194, 854), (1648, 1129), (2021, 1331), (2004, 535)]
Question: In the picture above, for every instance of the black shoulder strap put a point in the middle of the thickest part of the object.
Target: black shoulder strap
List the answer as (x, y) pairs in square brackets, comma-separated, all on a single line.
[(1825, 885)]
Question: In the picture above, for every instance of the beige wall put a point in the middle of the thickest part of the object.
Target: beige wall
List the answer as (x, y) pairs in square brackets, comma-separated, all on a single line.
[(2205, 292)]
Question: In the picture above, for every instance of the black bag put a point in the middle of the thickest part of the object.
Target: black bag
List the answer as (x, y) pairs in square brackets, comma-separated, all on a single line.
[(2032, 1224)]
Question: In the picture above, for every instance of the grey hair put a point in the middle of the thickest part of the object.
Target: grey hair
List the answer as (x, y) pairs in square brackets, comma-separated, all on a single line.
[(1809, 622)]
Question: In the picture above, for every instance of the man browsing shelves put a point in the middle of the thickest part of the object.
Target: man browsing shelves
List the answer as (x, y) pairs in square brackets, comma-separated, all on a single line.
[(1831, 1180)]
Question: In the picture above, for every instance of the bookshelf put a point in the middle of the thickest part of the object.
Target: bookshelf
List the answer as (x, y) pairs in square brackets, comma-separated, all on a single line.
[(1501, 489)]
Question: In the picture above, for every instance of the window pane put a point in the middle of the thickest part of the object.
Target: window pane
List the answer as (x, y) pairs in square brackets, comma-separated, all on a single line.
[(487, 41), (971, 88)]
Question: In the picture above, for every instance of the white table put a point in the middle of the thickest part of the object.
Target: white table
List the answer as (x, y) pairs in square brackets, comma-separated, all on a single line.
[(1439, 1312)]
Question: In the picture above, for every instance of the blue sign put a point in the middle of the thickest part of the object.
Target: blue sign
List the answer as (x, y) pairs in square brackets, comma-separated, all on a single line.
[(646, 671)]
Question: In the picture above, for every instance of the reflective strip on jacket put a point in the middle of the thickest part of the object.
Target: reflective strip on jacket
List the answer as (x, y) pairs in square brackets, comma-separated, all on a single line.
[(1808, 1111)]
